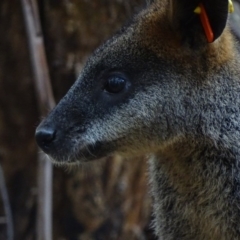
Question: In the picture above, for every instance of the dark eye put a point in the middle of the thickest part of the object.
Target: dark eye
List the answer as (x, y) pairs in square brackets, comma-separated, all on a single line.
[(115, 84)]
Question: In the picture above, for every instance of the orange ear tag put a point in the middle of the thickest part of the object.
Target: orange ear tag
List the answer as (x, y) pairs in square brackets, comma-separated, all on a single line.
[(205, 22)]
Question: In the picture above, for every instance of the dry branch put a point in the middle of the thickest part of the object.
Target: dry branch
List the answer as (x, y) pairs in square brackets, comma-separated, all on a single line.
[(45, 102), (6, 204)]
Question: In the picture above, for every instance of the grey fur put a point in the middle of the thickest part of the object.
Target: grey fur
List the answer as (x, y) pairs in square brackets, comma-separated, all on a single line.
[(182, 108)]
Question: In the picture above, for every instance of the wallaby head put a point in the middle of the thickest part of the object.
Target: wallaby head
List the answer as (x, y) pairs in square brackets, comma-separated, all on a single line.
[(145, 86)]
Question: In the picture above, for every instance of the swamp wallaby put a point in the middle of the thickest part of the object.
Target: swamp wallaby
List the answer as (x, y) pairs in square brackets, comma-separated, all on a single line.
[(166, 85)]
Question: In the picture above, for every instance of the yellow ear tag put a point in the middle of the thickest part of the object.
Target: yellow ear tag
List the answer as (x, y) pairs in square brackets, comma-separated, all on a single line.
[(230, 6), (197, 10)]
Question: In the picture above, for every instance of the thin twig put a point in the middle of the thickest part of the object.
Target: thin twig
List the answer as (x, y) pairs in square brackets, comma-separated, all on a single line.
[(45, 102), (6, 204)]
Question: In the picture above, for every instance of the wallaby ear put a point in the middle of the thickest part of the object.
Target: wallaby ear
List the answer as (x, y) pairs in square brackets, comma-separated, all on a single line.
[(190, 22)]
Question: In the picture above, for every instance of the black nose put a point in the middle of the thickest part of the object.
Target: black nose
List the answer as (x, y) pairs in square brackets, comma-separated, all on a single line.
[(44, 137)]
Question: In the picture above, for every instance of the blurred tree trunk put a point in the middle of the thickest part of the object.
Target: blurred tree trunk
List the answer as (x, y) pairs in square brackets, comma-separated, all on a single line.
[(107, 200)]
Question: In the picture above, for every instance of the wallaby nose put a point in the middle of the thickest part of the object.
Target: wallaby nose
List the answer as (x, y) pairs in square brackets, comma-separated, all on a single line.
[(44, 137)]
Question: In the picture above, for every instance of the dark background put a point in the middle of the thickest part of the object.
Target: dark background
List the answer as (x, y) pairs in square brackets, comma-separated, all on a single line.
[(107, 200)]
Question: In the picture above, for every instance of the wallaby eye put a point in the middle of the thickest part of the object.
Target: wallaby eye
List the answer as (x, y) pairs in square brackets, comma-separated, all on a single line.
[(115, 84)]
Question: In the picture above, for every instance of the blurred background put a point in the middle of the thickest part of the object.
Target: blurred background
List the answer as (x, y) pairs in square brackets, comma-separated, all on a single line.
[(107, 200)]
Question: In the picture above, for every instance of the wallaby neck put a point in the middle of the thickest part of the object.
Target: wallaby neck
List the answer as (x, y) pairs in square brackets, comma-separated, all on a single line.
[(196, 195)]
